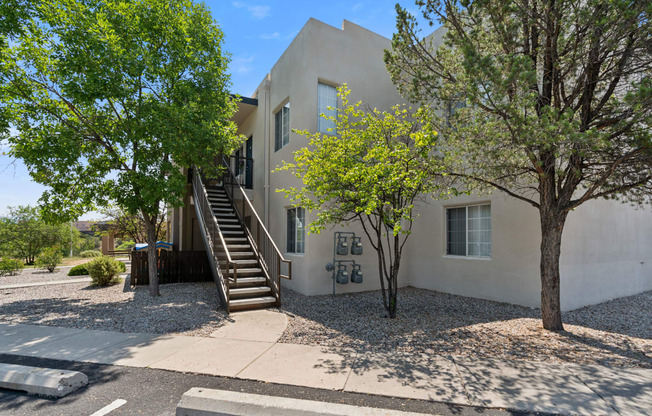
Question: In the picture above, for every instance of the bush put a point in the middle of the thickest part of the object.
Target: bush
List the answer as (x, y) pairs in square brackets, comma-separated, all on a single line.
[(79, 270), (49, 259), (90, 253), (10, 267), (104, 270), (126, 245)]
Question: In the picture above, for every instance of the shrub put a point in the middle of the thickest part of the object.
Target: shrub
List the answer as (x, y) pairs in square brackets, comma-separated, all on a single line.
[(49, 259), (79, 270), (10, 267), (104, 270), (90, 253), (126, 245)]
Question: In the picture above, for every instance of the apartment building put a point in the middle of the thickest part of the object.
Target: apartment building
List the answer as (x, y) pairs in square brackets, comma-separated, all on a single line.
[(484, 246)]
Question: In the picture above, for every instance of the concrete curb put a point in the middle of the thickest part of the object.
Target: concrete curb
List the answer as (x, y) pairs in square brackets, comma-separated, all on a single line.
[(41, 381), (207, 402)]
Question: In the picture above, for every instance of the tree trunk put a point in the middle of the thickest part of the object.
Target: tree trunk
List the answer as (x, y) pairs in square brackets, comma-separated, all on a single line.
[(151, 259), (552, 226), (393, 296)]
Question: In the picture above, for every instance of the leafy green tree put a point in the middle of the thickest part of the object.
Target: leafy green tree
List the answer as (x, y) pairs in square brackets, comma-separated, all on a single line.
[(112, 97), (24, 233), (119, 222), (372, 172), (13, 14), (557, 104)]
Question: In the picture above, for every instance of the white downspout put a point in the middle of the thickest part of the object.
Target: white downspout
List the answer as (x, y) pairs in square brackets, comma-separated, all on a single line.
[(267, 148)]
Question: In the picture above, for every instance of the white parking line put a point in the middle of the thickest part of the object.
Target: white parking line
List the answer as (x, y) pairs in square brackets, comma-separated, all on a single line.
[(108, 409)]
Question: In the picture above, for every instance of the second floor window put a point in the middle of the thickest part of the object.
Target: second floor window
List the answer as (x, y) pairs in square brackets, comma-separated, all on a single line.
[(282, 127), (326, 97)]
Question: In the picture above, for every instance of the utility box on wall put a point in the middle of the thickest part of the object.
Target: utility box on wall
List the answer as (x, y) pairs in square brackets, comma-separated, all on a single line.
[(338, 268)]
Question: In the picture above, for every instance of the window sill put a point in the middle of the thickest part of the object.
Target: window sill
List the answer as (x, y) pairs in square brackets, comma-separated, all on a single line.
[(295, 254), (448, 256)]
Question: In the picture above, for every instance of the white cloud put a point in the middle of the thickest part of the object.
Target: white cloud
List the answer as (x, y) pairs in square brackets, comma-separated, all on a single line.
[(269, 36), (242, 64), (357, 7), (257, 12), (292, 35)]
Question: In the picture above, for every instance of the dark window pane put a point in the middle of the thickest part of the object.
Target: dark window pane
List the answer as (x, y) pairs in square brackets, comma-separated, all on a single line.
[(291, 230), (278, 121), (456, 231)]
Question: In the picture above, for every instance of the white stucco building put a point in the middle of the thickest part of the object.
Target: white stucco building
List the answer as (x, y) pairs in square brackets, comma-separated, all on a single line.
[(485, 247)]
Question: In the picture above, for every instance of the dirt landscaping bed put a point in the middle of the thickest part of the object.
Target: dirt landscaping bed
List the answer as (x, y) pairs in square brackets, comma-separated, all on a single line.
[(187, 309), (615, 333)]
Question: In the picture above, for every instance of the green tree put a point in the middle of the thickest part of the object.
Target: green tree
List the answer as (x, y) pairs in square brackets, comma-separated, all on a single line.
[(557, 99), (119, 222), (24, 233), (372, 172), (112, 97), (13, 14)]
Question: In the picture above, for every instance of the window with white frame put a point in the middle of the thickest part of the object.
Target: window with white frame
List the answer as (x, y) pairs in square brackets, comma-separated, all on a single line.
[(326, 97), (468, 231), (296, 230), (282, 127)]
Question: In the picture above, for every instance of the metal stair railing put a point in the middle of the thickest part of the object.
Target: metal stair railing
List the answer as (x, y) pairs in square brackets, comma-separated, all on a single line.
[(213, 240), (266, 251)]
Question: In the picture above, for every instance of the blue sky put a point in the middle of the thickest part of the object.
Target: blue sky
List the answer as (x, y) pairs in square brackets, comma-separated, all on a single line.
[(256, 34)]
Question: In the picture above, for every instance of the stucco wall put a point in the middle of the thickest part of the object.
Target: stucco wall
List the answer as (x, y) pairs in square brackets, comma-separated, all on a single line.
[(606, 248)]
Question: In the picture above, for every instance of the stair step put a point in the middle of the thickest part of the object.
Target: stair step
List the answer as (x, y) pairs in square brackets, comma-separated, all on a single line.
[(218, 203), (221, 219), (236, 239), (222, 210), (251, 303), (252, 291), (241, 254), (230, 226), (238, 248), (246, 272), (242, 262), (249, 281), (232, 232), (228, 220)]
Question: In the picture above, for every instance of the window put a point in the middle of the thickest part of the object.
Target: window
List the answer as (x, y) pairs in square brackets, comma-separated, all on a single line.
[(468, 231), (296, 230), (326, 97), (282, 127)]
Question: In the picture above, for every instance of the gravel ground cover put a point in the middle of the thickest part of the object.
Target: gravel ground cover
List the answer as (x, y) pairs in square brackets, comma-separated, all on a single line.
[(38, 275), (615, 333), (187, 309)]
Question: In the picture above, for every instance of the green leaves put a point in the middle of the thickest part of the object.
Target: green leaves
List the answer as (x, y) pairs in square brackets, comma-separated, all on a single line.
[(377, 166), (112, 97), (551, 91)]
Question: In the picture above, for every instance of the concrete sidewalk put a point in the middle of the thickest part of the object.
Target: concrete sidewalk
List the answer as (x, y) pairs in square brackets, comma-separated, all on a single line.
[(518, 385)]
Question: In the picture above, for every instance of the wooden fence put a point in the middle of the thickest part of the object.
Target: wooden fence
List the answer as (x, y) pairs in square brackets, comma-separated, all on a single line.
[(173, 267)]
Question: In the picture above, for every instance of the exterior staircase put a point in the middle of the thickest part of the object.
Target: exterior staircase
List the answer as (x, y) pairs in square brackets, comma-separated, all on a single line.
[(250, 288), (246, 263)]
